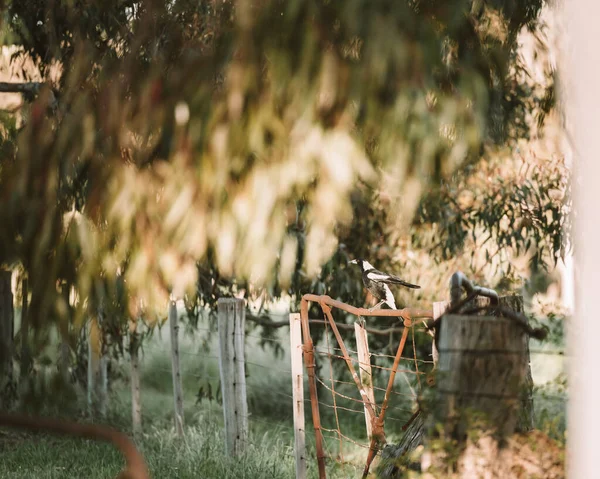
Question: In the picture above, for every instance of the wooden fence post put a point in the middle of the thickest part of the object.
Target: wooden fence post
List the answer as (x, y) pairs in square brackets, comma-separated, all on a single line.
[(102, 373), (232, 320), (177, 387), (136, 404), (366, 378), (6, 336), (439, 308), (298, 394)]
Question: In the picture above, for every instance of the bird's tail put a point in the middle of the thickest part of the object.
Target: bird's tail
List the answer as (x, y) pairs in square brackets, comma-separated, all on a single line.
[(404, 283)]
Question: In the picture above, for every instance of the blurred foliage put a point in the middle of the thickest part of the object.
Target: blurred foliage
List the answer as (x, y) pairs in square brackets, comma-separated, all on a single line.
[(550, 411), (216, 148), (518, 204)]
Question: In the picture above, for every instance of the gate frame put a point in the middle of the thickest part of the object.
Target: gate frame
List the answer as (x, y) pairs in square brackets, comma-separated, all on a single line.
[(326, 303)]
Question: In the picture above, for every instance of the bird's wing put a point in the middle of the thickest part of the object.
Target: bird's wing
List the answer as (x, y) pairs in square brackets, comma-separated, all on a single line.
[(375, 275), (389, 297)]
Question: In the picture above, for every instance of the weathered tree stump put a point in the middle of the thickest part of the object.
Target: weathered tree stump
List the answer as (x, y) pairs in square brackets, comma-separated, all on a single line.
[(483, 366), (481, 373)]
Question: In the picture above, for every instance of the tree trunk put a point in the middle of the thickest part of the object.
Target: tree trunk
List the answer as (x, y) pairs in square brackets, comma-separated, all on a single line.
[(483, 399), (97, 393), (25, 351), (176, 369), (6, 340), (525, 412), (136, 400), (64, 357), (481, 368)]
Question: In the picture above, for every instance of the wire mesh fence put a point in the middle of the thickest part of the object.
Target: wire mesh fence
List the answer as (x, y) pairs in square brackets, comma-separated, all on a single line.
[(380, 405), (346, 440), (201, 368), (346, 418)]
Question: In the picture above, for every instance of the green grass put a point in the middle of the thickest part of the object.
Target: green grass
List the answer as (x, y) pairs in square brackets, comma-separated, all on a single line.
[(199, 455), (270, 450)]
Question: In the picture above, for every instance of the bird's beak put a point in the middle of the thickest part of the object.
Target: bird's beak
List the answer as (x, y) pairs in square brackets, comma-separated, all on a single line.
[(354, 261)]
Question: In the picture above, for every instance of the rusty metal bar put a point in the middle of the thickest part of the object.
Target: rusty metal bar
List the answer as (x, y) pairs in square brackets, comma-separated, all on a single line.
[(412, 418), (388, 391), (350, 327), (379, 421), (309, 360), (326, 302), (406, 313), (357, 381)]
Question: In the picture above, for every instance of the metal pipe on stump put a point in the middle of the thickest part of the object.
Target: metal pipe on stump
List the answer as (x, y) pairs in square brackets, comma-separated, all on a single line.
[(476, 354), (483, 404)]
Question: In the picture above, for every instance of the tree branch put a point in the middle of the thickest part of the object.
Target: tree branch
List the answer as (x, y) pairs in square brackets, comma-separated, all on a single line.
[(28, 88)]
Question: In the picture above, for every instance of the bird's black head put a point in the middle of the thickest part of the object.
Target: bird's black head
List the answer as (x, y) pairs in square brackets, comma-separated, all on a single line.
[(364, 264), (359, 262)]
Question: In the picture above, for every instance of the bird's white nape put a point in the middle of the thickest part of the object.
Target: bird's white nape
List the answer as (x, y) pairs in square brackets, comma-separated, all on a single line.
[(367, 266)]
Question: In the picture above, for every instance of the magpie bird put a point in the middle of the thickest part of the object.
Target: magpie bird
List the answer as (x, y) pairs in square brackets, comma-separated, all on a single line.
[(377, 283)]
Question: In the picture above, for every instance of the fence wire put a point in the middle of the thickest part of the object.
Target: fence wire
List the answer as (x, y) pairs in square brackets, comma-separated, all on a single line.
[(342, 417), (342, 408)]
